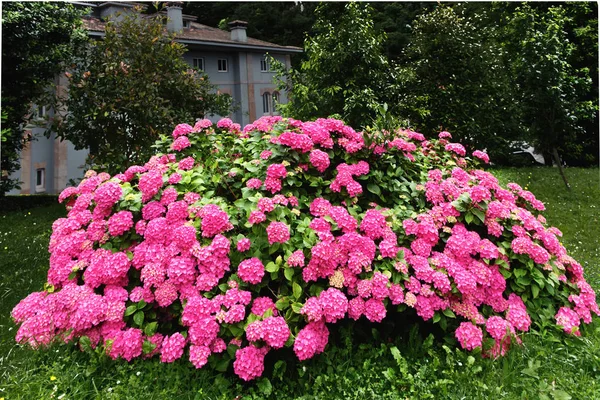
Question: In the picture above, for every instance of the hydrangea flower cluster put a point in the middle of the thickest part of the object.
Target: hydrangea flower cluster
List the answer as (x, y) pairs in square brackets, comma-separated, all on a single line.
[(234, 243)]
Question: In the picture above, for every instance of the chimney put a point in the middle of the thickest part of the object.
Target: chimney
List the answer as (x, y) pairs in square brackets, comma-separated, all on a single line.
[(238, 30), (174, 17)]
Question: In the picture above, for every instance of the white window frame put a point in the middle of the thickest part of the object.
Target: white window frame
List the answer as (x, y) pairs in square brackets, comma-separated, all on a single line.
[(195, 61), (42, 186), (226, 64), (267, 103)]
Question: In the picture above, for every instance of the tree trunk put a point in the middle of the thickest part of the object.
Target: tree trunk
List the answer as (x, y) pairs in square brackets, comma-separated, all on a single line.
[(560, 168)]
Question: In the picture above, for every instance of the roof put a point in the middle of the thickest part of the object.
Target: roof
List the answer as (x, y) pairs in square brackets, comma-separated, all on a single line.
[(205, 35)]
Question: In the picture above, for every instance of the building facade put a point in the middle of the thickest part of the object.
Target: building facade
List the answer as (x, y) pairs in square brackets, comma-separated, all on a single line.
[(234, 62)]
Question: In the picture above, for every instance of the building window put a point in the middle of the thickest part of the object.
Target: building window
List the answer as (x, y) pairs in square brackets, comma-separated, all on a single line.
[(40, 112), (199, 63), (186, 24), (222, 65), (40, 180), (266, 103), (264, 65)]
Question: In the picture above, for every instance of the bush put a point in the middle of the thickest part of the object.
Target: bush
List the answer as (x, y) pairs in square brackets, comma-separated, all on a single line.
[(25, 202), (230, 243)]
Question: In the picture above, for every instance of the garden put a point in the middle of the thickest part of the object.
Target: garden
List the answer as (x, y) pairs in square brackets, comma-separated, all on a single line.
[(402, 335), (379, 236)]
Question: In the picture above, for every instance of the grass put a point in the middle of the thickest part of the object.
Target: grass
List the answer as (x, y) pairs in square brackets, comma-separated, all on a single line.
[(399, 363)]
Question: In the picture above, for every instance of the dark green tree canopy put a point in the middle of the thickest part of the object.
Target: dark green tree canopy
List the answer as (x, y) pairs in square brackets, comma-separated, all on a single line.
[(131, 87), (345, 72), (38, 42)]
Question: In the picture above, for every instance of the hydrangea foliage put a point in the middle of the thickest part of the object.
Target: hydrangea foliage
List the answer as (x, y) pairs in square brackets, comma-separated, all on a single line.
[(231, 243)]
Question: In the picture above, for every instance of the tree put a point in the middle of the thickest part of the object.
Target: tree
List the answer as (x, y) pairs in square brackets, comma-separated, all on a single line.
[(346, 71), (552, 90), (38, 41), (459, 81), (131, 87)]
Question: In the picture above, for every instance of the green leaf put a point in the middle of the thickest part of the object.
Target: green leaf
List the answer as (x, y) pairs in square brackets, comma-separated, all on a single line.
[(468, 218), (138, 318), (85, 343), (289, 273), (373, 188), (535, 290), (148, 347), (282, 303), (222, 365), (479, 214), (272, 267), (449, 313), (150, 328), (130, 310), (264, 384), (561, 395), (296, 290), (236, 330)]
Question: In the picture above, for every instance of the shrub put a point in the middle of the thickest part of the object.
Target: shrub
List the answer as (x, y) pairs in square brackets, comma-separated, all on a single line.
[(232, 243)]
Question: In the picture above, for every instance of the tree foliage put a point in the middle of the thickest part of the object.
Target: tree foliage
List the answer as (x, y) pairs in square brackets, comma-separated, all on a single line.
[(346, 72), (552, 90), (38, 41), (460, 83), (131, 87)]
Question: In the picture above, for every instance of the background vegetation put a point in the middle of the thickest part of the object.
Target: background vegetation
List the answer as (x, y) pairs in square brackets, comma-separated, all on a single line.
[(473, 69)]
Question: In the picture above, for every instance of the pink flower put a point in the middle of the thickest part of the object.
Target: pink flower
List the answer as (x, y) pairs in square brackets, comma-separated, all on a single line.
[(261, 304), (172, 348), (243, 245), (296, 259), (312, 309), (214, 220), (320, 207), (300, 142), (469, 336), (254, 183), (108, 194), (278, 232), (251, 270), (120, 223), (249, 362), (199, 355), (375, 310), (202, 124), (275, 332), (456, 148), (311, 340), (569, 320), (225, 123), (181, 143), (149, 184), (265, 205), (182, 130), (334, 304), (276, 171), (174, 178), (266, 154), (256, 217), (186, 164), (320, 160), (482, 156)]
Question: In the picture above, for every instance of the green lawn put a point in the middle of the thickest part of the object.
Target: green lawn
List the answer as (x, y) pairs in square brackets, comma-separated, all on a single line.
[(364, 365)]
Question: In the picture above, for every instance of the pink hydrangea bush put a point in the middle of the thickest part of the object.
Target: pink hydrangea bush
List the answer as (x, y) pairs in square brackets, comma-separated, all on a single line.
[(234, 243)]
